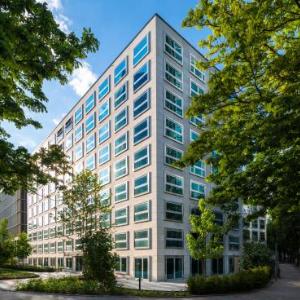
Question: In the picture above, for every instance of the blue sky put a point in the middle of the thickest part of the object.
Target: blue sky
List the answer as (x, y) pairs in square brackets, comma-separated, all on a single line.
[(114, 23)]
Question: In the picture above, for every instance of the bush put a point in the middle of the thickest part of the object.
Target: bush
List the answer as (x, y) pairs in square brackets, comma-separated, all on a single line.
[(15, 274), (30, 268), (242, 281)]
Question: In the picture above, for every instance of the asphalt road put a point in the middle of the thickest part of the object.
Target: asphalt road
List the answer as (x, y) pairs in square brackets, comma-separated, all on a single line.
[(287, 288)]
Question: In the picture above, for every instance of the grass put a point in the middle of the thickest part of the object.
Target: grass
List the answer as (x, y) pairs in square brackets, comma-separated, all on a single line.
[(76, 285), (15, 274)]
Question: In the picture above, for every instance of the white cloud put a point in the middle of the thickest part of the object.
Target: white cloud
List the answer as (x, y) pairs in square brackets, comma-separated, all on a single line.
[(82, 78), (57, 120), (52, 4), (25, 141)]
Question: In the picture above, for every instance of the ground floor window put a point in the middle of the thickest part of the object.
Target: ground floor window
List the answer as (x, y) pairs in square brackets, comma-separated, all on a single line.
[(174, 267), (34, 261), (233, 262), (217, 266), (141, 266), (197, 266), (60, 262), (122, 265), (46, 262), (69, 263), (78, 261), (40, 261), (53, 262)]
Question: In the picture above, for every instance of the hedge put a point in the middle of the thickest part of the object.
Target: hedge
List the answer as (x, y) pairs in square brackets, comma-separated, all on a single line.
[(29, 268), (242, 281)]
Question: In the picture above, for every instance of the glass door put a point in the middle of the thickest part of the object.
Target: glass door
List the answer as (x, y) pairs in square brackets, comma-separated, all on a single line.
[(141, 268), (174, 267)]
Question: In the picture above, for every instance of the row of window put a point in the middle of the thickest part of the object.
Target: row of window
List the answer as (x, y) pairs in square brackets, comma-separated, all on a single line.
[(61, 246)]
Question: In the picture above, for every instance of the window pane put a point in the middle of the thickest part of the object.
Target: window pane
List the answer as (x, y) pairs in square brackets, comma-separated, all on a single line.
[(141, 50), (197, 190), (121, 192), (193, 68), (104, 111), (174, 184), (104, 154), (173, 76), (104, 88), (120, 71), (141, 158), (173, 48), (104, 132), (121, 119), (141, 185), (89, 104), (90, 123), (141, 76), (174, 103), (141, 212), (141, 131), (172, 155), (121, 144), (174, 130), (121, 95), (141, 104), (78, 115)]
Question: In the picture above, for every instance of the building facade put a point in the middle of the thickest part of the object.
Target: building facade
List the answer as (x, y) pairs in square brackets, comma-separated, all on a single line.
[(129, 128), (14, 209)]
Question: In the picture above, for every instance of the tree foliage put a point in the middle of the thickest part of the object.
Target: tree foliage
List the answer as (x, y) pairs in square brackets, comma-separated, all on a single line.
[(6, 243), (22, 246), (252, 106), (32, 49), (204, 239)]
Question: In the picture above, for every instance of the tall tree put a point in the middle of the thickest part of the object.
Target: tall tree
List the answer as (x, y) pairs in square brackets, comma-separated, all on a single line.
[(87, 215), (32, 49), (6, 243), (251, 132), (22, 246)]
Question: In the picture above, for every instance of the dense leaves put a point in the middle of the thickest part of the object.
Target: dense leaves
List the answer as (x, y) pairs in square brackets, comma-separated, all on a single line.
[(32, 49), (252, 108)]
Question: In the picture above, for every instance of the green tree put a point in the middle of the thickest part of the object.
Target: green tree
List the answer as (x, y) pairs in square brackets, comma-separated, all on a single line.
[(205, 238), (256, 254), (87, 215), (251, 131), (6, 243), (32, 49), (22, 246)]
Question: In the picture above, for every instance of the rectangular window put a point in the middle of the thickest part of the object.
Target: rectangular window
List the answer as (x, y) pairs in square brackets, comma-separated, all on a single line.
[(174, 184), (89, 104), (234, 243), (105, 220), (196, 120), (121, 192), (142, 185), (104, 111), (104, 88), (121, 216), (141, 158), (69, 125), (174, 238), (122, 265), (174, 211), (121, 144), (141, 104), (69, 245), (69, 141), (60, 135), (90, 143), (194, 70), (142, 239), (141, 131), (60, 246), (79, 133), (173, 49), (174, 130), (104, 154), (195, 89), (121, 240), (104, 132), (90, 163), (197, 190), (142, 212), (121, 119), (193, 135), (104, 176), (198, 169), (105, 197), (173, 103), (120, 71), (172, 155), (79, 152), (90, 123), (141, 76), (141, 49), (218, 218), (121, 168), (121, 95), (78, 115), (173, 76)]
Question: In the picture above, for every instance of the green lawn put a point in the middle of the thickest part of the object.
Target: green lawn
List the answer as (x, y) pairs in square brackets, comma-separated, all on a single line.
[(15, 274)]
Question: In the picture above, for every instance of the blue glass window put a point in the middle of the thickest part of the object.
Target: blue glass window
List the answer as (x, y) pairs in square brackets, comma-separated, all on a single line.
[(141, 104), (141, 76), (173, 48), (90, 162), (121, 119), (104, 132), (173, 76), (195, 89), (79, 151), (141, 158), (173, 103), (120, 71), (90, 143), (89, 104), (121, 144), (79, 133), (141, 131), (121, 95), (104, 88), (104, 111), (90, 123), (141, 50), (78, 115), (104, 154)]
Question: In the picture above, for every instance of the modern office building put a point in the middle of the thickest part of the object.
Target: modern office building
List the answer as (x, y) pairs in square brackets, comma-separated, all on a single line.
[(14, 209), (129, 128)]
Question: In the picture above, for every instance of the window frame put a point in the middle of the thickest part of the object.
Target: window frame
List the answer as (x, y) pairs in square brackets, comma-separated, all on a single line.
[(109, 176), (123, 167), (127, 242), (148, 183), (91, 139), (148, 101), (180, 87), (121, 95), (196, 191), (142, 158), (124, 143), (172, 103), (120, 217), (170, 192), (93, 156), (107, 86), (173, 211), (147, 211), (126, 192), (174, 239), (89, 103), (87, 124), (148, 238), (116, 128), (101, 154), (147, 45), (180, 61), (167, 155), (172, 130), (107, 131), (147, 119), (106, 110), (195, 67), (117, 77), (147, 74)]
